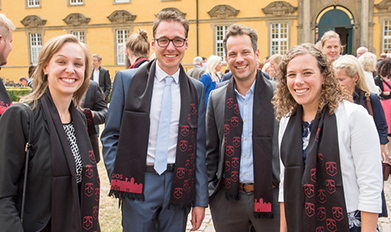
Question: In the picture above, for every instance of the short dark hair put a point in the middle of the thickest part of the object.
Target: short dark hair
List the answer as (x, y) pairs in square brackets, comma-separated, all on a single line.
[(237, 29), (169, 15)]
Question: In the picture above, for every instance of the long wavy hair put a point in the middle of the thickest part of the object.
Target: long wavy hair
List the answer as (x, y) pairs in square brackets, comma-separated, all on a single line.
[(331, 93), (41, 80)]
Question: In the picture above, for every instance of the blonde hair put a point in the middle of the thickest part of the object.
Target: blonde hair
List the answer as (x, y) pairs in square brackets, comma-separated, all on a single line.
[(368, 61), (213, 61), (41, 80), (265, 67), (329, 35), (276, 58), (353, 68), (331, 93), (6, 26)]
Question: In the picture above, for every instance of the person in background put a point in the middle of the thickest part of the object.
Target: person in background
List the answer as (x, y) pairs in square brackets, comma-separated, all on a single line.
[(331, 174), (6, 28), (154, 138), (351, 76), (62, 186), (368, 62), (275, 60), (23, 81), (101, 75), (383, 81), (204, 62), (137, 49), (197, 71), (211, 76), (331, 45), (95, 109), (267, 68), (360, 51)]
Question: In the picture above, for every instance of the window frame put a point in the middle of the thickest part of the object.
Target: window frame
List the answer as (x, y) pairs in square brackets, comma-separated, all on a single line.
[(35, 49), (121, 46), (385, 37), (77, 3), (77, 33), (36, 3), (121, 1), (279, 38)]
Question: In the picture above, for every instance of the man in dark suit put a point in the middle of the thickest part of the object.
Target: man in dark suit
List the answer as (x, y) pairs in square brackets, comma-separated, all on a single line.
[(101, 75), (241, 147), (156, 163), (95, 109), (197, 71)]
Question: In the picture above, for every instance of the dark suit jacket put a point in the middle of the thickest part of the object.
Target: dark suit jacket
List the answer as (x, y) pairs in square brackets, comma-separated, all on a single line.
[(104, 81), (95, 101), (215, 140), (110, 135)]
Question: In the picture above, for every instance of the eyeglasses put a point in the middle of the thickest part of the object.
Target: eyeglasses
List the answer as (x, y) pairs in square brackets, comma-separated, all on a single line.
[(164, 42)]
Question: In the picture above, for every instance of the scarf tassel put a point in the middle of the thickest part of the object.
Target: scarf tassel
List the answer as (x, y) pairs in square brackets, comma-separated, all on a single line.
[(234, 197), (121, 195), (264, 215), (180, 206)]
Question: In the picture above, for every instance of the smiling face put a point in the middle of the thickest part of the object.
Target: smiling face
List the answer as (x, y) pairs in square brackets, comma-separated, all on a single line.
[(345, 80), (304, 81), (65, 71), (169, 57), (241, 58), (332, 48)]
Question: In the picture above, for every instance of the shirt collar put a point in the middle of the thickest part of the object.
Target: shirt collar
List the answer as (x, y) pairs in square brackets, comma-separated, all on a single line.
[(160, 74), (251, 89)]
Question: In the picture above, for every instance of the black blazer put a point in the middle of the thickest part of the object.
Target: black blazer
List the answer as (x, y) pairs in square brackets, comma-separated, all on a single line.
[(104, 81), (95, 101)]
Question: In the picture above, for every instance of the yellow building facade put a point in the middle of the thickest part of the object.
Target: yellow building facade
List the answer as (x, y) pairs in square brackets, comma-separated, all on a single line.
[(105, 24)]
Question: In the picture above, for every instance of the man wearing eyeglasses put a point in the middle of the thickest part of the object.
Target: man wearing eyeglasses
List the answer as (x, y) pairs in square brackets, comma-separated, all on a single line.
[(154, 139)]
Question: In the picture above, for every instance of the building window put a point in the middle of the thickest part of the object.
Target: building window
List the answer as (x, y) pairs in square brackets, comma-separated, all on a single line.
[(220, 34), (121, 36), (386, 35), (35, 47), (279, 38), (121, 1), (80, 35), (33, 3), (76, 2)]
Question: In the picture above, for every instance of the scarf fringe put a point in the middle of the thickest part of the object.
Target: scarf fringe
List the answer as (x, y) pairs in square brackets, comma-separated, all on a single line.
[(121, 195), (234, 197), (181, 206), (264, 215)]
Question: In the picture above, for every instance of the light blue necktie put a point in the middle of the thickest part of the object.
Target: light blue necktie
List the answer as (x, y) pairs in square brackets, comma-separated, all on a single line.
[(163, 129)]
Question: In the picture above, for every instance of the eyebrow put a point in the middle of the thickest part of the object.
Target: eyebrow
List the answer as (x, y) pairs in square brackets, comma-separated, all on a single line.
[(60, 55)]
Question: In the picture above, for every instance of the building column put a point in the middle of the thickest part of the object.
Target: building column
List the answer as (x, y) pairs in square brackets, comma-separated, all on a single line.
[(364, 23), (307, 21)]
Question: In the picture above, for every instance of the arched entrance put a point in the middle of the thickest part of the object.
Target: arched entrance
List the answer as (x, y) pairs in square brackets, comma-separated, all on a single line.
[(340, 20)]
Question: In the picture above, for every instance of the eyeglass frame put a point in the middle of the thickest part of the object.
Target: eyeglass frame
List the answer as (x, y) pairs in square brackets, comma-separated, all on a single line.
[(170, 41)]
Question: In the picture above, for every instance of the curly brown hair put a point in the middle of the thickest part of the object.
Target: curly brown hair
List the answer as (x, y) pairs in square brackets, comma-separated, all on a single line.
[(331, 93), (384, 68)]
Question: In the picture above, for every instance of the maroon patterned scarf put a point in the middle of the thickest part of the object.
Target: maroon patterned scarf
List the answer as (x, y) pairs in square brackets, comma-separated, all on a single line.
[(313, 191), (73, 208), (129, 170), (263, 123), (5, 100)]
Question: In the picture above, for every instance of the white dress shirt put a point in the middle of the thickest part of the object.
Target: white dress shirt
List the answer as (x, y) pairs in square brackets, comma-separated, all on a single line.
[(360, 158), (156, 102), (96, 75)]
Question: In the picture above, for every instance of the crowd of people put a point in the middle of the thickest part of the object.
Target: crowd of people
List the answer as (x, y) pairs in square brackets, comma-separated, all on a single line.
[(295, 146)]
